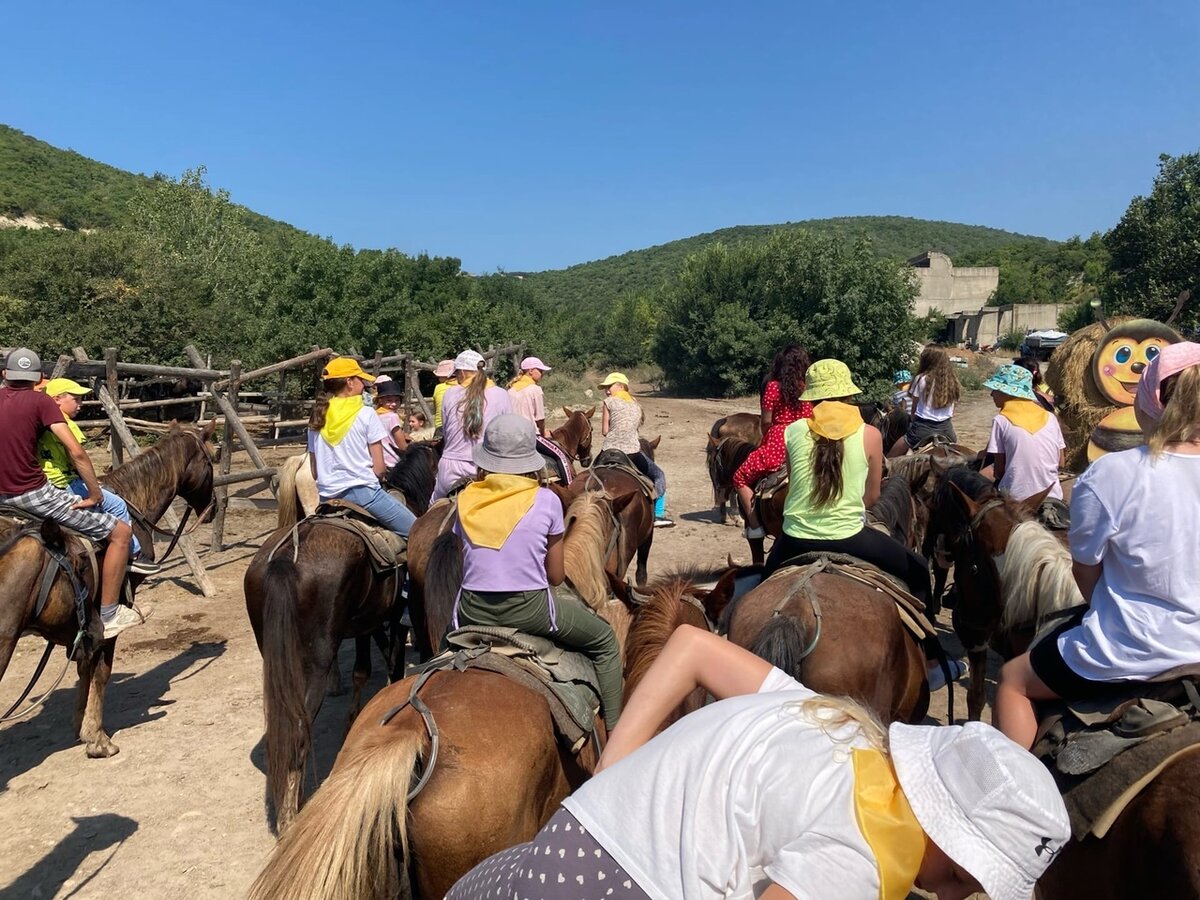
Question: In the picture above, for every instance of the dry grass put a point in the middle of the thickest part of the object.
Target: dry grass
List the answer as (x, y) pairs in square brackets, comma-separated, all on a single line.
[(1078, 403)]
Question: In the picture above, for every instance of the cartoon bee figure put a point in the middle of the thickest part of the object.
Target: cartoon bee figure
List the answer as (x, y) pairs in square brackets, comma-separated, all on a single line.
[(1117, 367)]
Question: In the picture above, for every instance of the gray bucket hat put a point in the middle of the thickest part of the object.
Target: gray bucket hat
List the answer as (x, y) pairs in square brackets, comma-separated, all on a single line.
[(23, 365), (509, 447)]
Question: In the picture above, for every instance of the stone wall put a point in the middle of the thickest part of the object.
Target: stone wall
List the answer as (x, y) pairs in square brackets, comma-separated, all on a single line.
[(987, 325), (946, 289)]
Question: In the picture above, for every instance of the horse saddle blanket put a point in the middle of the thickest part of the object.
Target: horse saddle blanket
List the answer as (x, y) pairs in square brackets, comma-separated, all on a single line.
[(909, 608), (1055, 515), (770, 485), (615, 459), (565, 678), (1104, 752), (386, 549), (557, 461)]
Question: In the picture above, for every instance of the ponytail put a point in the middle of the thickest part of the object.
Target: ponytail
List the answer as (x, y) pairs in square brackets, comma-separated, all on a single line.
[(471, 406), (826, 470), (330, 387)]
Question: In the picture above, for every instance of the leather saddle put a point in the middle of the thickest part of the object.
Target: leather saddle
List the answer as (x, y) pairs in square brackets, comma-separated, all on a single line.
[(386, 549), (615, 459)]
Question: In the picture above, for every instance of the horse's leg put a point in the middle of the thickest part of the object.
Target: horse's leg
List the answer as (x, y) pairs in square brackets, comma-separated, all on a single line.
[(93, 684), (977, 692), (722, 504), (362, 672), (934, 606), (643, 554), (333, 679), (757, 553)]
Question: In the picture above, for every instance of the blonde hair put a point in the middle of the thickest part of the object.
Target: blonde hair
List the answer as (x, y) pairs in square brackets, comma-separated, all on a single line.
[(1180, 420), (941, 383), (832, 713)]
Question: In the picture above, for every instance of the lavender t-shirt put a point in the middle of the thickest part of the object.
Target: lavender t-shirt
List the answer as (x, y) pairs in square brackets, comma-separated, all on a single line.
[(456, 444), (1030, 460), (520, 564)]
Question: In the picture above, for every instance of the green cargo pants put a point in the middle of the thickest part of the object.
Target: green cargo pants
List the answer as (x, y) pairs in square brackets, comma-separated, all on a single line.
[(579, 628)]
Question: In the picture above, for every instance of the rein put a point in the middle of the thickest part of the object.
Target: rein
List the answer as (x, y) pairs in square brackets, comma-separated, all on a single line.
[(178, 533)]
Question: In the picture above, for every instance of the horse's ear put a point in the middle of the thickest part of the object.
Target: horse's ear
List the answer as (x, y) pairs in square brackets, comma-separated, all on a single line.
[(591, 412), (174, 426), (718, 598), (209, 430), (713, 442), (619, 589), (919, 482), (654, 443), (965, 501), (567, 411), (1031, 505)]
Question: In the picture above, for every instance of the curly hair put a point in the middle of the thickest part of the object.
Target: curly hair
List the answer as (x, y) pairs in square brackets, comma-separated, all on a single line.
[(940, 386), (789, 367)]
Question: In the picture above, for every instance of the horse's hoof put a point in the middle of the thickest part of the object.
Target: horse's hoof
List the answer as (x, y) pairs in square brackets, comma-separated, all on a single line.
[(102, 749), (333, 682)]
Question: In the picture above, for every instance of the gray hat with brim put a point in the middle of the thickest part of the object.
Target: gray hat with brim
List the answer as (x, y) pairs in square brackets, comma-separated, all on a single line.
[(509, 447), (23, 365)]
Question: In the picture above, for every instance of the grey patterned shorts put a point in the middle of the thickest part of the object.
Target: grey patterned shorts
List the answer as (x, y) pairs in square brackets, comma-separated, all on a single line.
[(49, 502), (562, 862)]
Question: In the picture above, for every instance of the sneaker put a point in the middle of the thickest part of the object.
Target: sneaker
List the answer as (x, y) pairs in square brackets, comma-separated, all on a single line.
[(754, 534), (937, 678), (663, 522), (124, 617), (141, 566)]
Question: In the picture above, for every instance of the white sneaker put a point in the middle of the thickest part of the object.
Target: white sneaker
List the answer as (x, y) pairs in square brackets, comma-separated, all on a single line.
[(124, 617)]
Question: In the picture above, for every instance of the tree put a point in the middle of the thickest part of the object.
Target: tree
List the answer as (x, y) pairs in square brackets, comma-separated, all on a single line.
[(730, 309), (1155, 248)]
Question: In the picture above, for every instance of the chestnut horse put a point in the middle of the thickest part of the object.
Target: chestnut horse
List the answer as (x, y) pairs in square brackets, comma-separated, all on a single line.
[(745, 427), (303, 599), (178, 465), (574, 436), (859, 646), (1012, 574), (501, 772)]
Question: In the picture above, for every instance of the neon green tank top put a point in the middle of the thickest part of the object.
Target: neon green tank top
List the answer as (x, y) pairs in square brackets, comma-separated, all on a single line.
[(844, 516)]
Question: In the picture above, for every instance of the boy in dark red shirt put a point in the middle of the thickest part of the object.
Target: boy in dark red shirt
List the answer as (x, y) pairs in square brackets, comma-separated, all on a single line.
[(25, 414)]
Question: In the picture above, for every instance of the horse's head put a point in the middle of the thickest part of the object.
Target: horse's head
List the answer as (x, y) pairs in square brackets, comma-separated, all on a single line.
[(648, 447), (413, 475), (579, 429), (191, 454)]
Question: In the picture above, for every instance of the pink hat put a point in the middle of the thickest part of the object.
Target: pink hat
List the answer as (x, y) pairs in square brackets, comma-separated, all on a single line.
[(1171, 360), (444, 369), (532, 362)]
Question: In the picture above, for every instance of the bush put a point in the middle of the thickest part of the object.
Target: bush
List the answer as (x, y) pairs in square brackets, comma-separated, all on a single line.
[(1011, 340)]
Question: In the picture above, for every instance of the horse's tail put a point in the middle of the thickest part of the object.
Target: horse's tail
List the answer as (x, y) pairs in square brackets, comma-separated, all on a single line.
[(284, 684), (344, 842), (289, 501), (781, 642), (443, 581)]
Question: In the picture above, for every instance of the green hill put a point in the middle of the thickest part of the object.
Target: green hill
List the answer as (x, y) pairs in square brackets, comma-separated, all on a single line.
[(599, 283)]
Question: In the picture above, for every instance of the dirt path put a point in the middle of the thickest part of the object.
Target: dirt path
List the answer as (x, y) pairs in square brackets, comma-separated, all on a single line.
[(179, 812)]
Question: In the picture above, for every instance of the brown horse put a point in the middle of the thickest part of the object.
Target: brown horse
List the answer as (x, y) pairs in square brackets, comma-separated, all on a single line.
[(303, 598), (500, 774), (574, 436), (633, 509), (858, 646), (1012, 574), (744, 427), (178, 465)]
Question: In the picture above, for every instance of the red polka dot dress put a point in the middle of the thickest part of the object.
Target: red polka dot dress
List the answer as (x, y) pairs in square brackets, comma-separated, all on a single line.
[(772, 452)]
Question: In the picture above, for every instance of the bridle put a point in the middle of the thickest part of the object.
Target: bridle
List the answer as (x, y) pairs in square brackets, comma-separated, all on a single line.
[(179, 531)]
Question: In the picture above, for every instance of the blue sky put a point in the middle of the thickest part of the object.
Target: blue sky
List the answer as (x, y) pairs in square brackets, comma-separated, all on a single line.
[(533, 135)]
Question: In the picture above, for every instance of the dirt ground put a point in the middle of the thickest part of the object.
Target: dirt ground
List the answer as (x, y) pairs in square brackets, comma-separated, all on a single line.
[(179, 811)]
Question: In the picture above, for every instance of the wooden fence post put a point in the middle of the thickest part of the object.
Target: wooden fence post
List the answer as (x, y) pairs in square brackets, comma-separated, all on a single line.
[(226, 461), (231, 414), (117, 421), (110, 382)]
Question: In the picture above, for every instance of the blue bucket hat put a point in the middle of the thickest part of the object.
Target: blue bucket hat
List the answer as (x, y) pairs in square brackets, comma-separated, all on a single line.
[(1013, 381), (902, 377)]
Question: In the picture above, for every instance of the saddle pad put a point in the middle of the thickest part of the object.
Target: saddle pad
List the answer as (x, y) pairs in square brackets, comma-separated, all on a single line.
[(769, 485), (615, 459), (565, 678), (386, 549)]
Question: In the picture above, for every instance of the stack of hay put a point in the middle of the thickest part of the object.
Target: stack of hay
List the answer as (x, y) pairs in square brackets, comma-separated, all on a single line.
[(1077, 401)]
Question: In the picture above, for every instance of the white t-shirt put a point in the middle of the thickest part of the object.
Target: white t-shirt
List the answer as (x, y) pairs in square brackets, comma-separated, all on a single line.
[(1030, 460), (733, 797), (348, 464), (1140, 517), (925, 408)]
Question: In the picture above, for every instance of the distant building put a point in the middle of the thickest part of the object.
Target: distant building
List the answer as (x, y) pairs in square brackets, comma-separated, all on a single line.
[(946, 289)]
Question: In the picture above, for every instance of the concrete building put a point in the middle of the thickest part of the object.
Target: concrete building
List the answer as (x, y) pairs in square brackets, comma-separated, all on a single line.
[(984, 327), (946, 289)]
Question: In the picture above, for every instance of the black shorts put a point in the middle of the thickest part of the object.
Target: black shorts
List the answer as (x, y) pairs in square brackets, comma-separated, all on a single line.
[(1046, 660), (920, 430)]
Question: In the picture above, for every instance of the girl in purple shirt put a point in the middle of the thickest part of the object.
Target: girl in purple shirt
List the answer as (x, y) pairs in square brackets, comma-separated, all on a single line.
[(466, 410), (512, 529)]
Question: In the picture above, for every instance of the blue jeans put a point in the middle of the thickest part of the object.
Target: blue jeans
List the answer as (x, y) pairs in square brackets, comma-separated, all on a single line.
[(111, 504), (390, 512)]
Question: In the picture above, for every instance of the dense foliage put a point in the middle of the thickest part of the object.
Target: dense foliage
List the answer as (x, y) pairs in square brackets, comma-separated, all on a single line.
[(1042, 272), (729, 310)]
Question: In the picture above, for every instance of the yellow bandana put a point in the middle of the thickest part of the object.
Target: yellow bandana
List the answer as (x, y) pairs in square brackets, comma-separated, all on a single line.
[(56, 461), (471, 377), (489, 510), (521, 383), (1025, 414), (887, 823), (621, 394), (835, 420), (339, 417)]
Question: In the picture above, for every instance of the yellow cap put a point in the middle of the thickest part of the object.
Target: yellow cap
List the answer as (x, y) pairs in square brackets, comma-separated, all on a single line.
[(615, 378), (345, 367), (56, 386)]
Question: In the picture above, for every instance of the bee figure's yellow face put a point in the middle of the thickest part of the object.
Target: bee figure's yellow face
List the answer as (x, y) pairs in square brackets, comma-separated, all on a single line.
[(1120, 363)]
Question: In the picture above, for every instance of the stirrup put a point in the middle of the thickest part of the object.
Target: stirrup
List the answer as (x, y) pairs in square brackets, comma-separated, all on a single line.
[(754, 534)]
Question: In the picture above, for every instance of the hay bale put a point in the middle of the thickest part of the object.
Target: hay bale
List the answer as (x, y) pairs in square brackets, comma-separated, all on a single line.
[(1078, 402)]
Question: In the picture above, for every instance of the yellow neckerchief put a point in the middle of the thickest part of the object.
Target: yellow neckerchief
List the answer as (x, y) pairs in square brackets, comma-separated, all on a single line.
[(339, 417), (835, 420), (526, 380), (622, 394), (887, 824), (489, 510), (471, 377), (1026, 414)]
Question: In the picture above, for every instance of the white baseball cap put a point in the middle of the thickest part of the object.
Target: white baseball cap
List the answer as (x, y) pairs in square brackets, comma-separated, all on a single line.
[(985, 801), (467, 361)]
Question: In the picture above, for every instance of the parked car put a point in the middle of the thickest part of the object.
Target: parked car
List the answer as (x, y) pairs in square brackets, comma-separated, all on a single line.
[(1040, 344)]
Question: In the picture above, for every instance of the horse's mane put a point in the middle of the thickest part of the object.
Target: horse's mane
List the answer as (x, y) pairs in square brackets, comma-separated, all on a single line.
[(588, 522), (1035, 576), (153, 471), (413, 475), (909, 467), (894, 508), (970, 482)]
